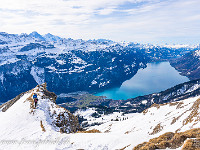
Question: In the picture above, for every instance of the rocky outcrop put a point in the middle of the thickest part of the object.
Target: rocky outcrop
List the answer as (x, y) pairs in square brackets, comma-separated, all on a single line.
[(67, 122), (173, 141), (191, 144)]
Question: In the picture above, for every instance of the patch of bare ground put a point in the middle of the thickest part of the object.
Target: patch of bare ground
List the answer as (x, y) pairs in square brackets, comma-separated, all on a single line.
[(173, 141), (90, 131), (194, 115), (127, 132), (125, 147), (175, 119), (42, 126), (180, 105), (157, 129), (108, 130)]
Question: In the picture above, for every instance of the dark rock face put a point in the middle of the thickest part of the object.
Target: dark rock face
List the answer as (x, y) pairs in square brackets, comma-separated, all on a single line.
[(188, 65), (50, 95), (67, 122)]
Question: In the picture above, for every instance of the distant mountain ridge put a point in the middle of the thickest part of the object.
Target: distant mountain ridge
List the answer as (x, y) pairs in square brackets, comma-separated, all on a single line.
[(69, 65)]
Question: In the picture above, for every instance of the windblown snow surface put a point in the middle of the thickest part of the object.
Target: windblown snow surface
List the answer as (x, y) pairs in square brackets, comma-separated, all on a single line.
[(20, 128)]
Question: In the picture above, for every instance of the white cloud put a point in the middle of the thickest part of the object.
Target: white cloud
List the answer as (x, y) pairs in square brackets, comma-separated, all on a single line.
[(130, 20)]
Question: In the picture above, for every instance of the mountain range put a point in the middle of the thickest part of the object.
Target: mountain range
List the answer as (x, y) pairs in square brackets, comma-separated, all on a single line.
[(69, 65)]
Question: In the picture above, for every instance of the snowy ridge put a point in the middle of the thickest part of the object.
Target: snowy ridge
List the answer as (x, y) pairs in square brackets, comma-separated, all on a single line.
[(22, 123)]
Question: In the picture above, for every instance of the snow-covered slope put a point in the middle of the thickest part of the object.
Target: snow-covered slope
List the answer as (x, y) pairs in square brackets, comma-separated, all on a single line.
[(140, 127), (25, 127)]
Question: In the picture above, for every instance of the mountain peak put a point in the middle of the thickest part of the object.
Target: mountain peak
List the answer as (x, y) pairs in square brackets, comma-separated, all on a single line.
[(51, 37), (37, 36)]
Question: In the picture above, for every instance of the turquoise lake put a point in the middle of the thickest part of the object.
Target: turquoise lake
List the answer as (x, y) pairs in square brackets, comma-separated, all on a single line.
[(156, 77)]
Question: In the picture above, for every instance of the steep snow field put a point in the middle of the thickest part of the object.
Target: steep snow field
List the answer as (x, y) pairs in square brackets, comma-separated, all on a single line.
[(21, 126), (140, 127)]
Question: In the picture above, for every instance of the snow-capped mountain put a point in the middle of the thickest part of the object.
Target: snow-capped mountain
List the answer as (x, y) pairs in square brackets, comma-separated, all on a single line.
[(65, 64), (37, 36), (30, 128), (69, 65), (49, 37), (188, 65)]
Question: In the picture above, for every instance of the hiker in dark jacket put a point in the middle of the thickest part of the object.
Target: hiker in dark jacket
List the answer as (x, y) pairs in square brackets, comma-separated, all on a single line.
[(35, 99)]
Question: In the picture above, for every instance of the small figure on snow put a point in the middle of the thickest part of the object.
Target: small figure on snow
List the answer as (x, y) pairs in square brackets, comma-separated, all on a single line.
[(35, 99)]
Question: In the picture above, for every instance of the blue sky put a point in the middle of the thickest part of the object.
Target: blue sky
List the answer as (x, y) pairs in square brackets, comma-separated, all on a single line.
[(143, 21)]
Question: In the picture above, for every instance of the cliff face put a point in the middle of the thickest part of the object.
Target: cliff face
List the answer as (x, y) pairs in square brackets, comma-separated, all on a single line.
[(188, 65)]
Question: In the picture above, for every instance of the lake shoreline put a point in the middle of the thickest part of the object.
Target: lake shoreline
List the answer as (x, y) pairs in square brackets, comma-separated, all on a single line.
[(142, 84)]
